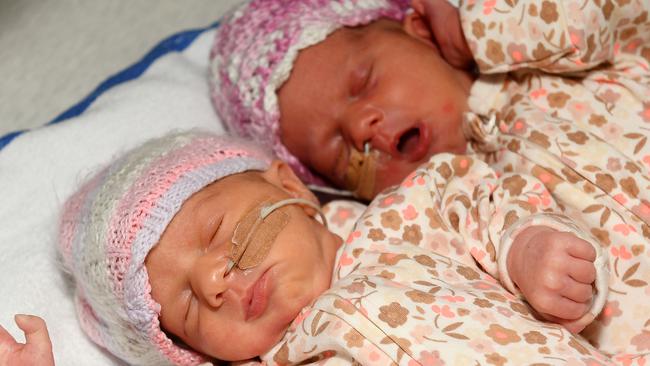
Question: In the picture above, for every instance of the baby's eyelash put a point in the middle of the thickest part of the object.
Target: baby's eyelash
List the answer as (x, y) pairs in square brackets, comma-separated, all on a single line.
[(214, 235), (368, 76)]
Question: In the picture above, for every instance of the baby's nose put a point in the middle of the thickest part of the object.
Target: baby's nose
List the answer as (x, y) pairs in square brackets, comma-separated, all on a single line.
[(209, 281), (364, 125), (386, 129)]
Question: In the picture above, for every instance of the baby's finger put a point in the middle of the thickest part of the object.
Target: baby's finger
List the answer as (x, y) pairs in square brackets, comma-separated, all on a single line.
[(568, 309), (579, 248), (582, 271), (6, 339), (578, 292), (35, 331), (576, 326)]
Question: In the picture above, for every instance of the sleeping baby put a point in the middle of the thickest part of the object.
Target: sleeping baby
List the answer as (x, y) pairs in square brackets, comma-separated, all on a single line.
[(358, 93), (194, 248)]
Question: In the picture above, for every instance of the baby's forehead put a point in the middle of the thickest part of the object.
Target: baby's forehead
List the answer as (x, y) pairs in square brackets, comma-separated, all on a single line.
[(361, 32)]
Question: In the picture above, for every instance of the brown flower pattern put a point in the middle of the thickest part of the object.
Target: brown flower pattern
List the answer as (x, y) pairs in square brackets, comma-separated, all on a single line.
[(578, 137), (393, 314), (535, 337), (502, 335), (514, 184), (549, 12), (495, 52), (478, 29), (353, 338), (496, 359), (412, 234), (391, 220), (376, 235)]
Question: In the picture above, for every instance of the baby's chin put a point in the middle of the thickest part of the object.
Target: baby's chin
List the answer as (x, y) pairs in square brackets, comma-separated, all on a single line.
[(394, 174), (273, 336), (260, 340), (293, 310)]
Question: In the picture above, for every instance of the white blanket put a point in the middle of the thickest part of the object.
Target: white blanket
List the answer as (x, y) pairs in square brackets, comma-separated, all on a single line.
[(41, 168)]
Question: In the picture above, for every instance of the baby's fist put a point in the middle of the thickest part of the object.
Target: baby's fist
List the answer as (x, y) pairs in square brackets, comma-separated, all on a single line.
[(554, 271)]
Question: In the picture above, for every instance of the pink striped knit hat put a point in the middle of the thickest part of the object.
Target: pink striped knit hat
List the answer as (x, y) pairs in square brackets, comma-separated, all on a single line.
[(109, 226), (254, 51)]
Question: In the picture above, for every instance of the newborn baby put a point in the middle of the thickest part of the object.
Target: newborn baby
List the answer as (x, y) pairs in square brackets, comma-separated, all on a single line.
[(196, 247)]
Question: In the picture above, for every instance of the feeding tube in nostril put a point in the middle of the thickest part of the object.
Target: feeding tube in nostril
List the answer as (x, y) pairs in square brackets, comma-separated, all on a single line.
[(362, 168), (257, 230)]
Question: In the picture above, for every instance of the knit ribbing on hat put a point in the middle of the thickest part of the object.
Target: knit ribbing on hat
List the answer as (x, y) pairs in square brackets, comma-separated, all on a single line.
[(109, 226), (254, 52)]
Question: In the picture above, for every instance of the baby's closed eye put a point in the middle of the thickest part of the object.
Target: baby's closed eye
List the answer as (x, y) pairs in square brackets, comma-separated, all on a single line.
[(362, 80)]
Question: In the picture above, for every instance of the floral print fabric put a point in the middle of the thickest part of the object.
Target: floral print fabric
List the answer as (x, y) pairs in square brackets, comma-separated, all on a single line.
[(574, 111), (410, 285), (341, 215), (563, 133)]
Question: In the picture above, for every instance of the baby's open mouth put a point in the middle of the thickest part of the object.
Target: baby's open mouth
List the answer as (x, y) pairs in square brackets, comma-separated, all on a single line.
[(413, 143)]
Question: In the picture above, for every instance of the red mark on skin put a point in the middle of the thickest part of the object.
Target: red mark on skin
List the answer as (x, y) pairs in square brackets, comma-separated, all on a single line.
[(448, 107)]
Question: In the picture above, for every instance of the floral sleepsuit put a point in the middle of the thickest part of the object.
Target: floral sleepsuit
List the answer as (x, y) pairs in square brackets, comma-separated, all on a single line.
[(558, 126)]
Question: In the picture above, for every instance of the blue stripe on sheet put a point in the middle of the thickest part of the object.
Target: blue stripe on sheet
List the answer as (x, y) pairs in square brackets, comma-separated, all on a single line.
[(175, 43)]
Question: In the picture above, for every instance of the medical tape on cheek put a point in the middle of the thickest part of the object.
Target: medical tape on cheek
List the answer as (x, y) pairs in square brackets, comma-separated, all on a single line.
[(257, 230), (361, 173), (254, 235)]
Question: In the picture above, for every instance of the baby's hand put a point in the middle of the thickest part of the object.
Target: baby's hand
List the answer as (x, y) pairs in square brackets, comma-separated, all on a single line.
[(37, 351), (554, 271), (444, 23)]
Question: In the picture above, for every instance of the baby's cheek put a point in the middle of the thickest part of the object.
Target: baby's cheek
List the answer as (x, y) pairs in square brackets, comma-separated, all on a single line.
[(391, 173), (448, 107)]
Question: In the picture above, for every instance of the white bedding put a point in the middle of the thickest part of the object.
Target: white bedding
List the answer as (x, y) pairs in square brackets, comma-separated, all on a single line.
[(41, 168)]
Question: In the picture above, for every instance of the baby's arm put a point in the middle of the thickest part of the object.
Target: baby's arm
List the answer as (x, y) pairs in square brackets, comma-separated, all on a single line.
[(37, 351), (513, 216), (556, 36)]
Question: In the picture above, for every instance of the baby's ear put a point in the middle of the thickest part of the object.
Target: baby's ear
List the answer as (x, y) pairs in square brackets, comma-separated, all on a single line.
[(281, 175), (416, 25)]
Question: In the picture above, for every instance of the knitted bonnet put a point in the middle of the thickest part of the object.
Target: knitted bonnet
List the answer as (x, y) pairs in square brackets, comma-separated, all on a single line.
[(254, 51), (109, 226)]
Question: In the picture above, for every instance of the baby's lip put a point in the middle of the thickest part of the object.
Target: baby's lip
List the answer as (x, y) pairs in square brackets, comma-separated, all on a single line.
[(413, 143), (257, 296)]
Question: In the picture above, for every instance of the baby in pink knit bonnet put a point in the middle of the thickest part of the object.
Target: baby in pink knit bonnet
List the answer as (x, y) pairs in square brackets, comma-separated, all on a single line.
[(182, 245), (201, 239), (351, 93)]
